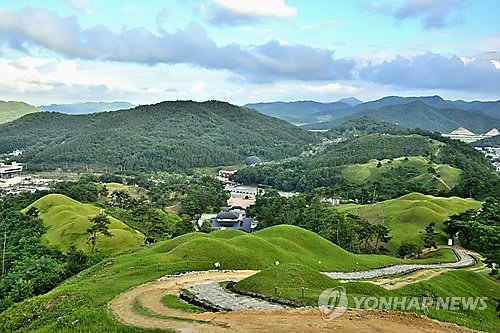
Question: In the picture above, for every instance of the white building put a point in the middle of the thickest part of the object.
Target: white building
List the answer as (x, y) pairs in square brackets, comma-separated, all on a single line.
[(9, 171)]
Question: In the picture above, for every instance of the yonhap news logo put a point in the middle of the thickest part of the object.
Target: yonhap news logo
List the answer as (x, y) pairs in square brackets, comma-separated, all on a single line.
[(333, 303)]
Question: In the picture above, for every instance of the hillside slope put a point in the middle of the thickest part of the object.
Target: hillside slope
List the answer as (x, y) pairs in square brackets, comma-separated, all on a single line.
[(168, 135), (11, 110), (86, 108), (408, 215), (67, 222), (87, 295)]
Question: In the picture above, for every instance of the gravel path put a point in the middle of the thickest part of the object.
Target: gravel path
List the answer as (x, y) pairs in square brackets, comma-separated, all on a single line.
[(464, 260), (213, 293)]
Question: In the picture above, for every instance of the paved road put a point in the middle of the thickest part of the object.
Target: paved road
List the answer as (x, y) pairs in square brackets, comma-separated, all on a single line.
[(464, 260)]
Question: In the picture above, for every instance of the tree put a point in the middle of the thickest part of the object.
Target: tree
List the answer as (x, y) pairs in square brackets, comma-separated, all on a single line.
[(76, 261), (408, 249), (430, 232), (100, 225), (184, 226)]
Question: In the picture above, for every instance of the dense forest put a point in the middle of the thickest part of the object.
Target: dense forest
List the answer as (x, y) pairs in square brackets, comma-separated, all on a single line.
[(164, 136), (327, 167)]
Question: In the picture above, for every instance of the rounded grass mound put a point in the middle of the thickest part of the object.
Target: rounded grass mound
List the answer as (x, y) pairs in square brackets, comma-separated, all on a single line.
[(67, 221), (407, 216)]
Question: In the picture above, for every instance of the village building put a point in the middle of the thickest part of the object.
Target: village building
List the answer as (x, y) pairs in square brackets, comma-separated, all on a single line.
[(10, 171)]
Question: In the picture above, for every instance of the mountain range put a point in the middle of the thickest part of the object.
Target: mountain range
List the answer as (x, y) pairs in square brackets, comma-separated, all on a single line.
[(87, 107), (428, 112)]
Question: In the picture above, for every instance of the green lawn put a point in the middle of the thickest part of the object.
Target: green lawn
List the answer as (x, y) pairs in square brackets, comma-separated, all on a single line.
[(67, 222), (80, 303), (289, 279), (133, 191), (408, 215), (361, 173)]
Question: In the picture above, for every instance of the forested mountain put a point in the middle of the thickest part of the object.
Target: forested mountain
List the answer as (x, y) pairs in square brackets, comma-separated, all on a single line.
[(302, 112), (12, 110), (164, 136), (86, 108), (418, 114), (326, 115), (494, 141), (383, 166)]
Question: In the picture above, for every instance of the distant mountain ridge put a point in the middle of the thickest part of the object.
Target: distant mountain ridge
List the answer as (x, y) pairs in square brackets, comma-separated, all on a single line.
[(316, 115), (302, 112), (87, 107), (429, 112), (11, 110)]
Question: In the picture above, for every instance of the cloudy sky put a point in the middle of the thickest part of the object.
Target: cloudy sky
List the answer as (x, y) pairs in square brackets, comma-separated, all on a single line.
[(58, 51)]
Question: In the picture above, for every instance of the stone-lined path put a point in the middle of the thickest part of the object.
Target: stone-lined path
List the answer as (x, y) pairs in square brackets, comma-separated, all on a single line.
[(464, 260), (226, 300)]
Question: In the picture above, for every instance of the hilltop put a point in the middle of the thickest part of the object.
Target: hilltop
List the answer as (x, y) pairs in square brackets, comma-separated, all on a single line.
[(407, 216), (87, 107), (67, 222), (12, 110), (164, 136)]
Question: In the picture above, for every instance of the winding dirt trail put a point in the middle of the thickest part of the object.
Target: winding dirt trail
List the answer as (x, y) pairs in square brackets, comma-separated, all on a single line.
[(280, 321)]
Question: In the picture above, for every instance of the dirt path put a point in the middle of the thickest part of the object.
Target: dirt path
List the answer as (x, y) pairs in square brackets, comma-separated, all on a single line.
[(280, 321)]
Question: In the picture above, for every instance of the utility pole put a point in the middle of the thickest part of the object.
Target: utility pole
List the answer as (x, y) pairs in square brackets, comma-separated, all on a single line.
[(3, 255)]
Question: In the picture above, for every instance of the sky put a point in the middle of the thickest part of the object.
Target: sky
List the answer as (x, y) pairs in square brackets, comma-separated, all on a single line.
[(243, 51)]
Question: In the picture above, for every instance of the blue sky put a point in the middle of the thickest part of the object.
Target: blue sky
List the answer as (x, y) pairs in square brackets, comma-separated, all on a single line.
[(241, 51)]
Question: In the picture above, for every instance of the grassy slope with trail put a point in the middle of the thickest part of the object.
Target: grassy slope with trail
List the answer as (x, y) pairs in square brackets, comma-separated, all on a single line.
[(67, 222), (361, 173), (12, 110), (80, 303), (408, 215), (460, 283)]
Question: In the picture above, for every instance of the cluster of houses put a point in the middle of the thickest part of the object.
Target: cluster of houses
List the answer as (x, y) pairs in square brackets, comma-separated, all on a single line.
[(493, 154), (12, 181)]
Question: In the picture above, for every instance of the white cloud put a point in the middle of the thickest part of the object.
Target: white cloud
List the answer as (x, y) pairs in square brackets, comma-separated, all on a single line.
[(496, 63), (258, 8), (79, 5), (331, 88)]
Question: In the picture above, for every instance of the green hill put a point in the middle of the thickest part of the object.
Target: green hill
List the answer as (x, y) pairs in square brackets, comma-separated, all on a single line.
[(11, 110), (382, 165), (493, 141), (408, 215), (67, 222), (290, 279), (164, 136)]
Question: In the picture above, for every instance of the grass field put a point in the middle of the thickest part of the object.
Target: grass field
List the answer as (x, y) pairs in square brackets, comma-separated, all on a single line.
[(80, 303), (361, 173), (67, 222), (290, 279), (133, 191), (408, 215), (12, 110)]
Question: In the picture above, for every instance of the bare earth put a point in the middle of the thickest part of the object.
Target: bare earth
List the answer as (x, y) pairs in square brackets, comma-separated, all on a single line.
[(288, 320)]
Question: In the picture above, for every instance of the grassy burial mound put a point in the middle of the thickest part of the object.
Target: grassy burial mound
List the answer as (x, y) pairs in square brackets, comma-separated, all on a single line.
[(444, 176), (67, 221), (286, 282), (407, 216), (87, 294)]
